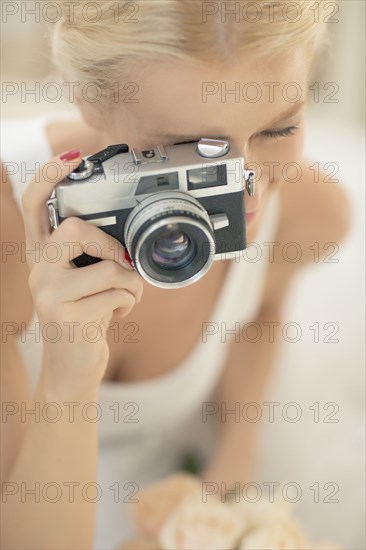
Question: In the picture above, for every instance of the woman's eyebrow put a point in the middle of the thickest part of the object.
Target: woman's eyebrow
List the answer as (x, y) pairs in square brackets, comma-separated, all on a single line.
[(286, 114), (176, 138)]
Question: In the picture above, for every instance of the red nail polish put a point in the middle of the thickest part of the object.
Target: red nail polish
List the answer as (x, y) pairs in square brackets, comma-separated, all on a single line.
[(71, 155), (128, 259)]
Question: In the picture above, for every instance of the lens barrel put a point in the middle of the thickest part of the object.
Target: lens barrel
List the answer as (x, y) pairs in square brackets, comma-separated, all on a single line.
[(170, 239)]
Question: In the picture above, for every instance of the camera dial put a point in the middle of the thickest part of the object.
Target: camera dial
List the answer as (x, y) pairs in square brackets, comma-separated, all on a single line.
[(83, 171)]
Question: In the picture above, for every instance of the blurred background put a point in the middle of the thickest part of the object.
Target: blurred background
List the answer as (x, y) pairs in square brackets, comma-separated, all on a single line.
[(330, 454), (25, 57)]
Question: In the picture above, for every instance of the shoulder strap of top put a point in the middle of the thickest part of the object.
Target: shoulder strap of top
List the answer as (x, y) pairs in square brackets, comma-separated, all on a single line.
[(271, 220), (240, 299), (25, 147)]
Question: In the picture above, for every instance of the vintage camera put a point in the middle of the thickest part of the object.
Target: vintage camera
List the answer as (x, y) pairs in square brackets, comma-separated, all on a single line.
[(175, 209)]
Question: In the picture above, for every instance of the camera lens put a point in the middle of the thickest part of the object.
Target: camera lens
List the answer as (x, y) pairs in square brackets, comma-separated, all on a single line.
[(170, 239), (173, 249)]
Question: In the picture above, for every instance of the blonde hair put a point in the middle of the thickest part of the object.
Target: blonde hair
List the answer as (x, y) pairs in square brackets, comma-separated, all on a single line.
[(104, 42)]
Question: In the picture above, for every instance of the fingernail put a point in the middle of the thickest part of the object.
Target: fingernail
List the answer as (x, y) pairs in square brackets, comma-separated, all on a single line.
[(128, 260), (71, 155)]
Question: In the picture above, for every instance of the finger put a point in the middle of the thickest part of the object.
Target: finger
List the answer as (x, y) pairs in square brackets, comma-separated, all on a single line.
[(39, 190), (92, 279), (75, 236), (102, 304)]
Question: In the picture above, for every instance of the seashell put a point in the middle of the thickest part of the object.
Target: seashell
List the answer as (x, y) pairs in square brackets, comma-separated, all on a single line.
[(201, 526), (286, 535), (158, 500)]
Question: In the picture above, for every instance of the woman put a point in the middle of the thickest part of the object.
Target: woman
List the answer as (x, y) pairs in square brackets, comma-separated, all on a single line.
[(169, 71)]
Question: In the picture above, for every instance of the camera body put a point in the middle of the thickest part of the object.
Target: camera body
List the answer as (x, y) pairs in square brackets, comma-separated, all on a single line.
[(175, 209)]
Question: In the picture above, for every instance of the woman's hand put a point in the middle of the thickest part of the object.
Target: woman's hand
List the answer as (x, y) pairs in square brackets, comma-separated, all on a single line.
[(74, 305)]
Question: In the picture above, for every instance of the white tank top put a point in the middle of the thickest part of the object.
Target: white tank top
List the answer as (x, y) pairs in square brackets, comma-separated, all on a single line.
[(146, 428)]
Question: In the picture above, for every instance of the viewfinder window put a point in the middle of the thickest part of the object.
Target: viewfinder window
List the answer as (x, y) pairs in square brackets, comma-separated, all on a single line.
[(158, 182), (209, 176)]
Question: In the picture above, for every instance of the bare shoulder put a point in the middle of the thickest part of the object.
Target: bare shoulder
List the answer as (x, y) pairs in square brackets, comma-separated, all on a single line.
[(314, 211), (315, 218)]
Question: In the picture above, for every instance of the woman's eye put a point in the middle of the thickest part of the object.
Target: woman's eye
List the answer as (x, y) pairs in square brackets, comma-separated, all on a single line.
[(277, 133)]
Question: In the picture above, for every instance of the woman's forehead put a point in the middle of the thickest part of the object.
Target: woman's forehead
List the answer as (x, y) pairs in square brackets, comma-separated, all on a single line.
[(178, 100)]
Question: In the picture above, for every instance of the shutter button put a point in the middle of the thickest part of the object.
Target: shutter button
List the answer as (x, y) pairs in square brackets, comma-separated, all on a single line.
[(212, 148)]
